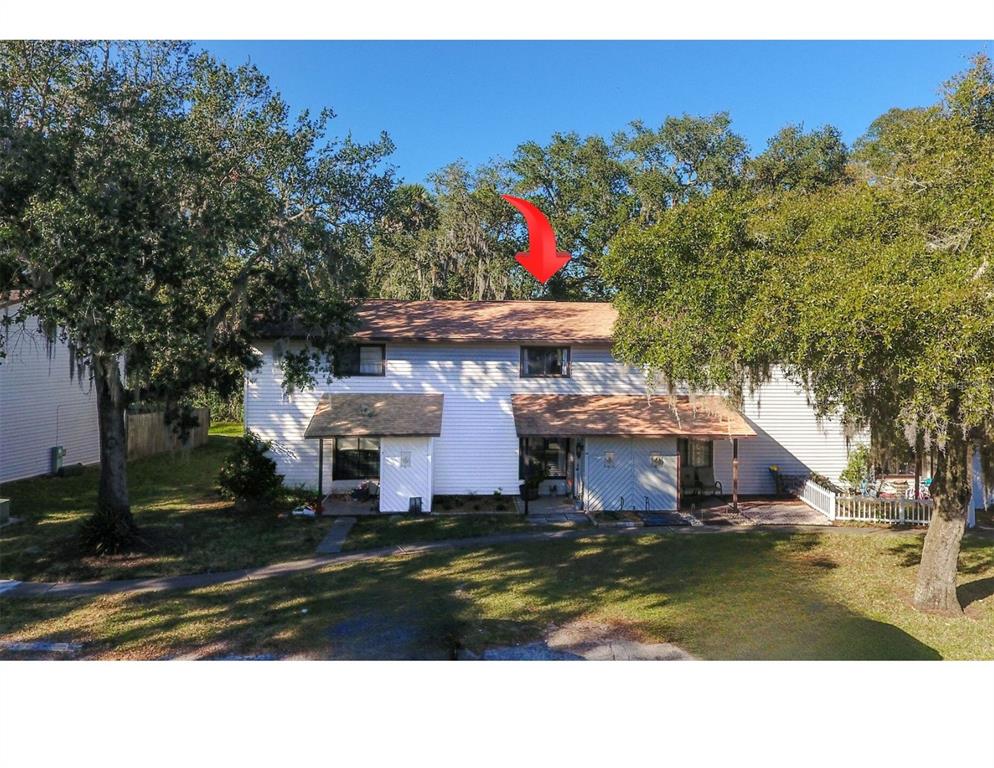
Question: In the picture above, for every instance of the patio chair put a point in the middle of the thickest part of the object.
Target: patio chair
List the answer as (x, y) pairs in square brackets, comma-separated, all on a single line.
[(706, 481)]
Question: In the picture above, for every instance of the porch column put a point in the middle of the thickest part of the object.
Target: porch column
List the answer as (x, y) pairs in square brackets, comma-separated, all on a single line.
[(735, 474), (320, 470)]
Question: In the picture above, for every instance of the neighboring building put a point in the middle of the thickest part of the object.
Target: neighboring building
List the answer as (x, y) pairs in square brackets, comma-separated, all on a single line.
[(982, 497), (42, 406), (454, 397)]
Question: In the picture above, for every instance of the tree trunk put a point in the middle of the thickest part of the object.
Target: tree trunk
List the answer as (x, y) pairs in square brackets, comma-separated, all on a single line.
[(112, 527), (936, 588)]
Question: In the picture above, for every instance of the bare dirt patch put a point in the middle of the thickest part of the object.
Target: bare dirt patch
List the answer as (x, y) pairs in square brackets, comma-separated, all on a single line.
[(586, 640)]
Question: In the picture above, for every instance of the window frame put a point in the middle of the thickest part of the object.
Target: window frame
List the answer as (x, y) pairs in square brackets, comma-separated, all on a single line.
[(360, 462), (522, 374), (684, 449), (357, 370), (537, 458)]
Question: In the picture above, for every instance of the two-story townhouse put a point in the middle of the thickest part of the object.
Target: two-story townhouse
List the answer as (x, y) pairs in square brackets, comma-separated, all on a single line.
[(457, 397)]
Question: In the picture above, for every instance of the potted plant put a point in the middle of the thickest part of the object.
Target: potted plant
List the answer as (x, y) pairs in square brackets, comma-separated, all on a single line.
[(777, 479), (533, 480)]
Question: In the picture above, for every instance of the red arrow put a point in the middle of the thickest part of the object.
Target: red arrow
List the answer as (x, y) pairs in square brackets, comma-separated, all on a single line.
[(542, 259)]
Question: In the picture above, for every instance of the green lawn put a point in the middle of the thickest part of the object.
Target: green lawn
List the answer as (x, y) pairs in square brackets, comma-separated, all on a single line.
[(188, 527), (373, 532), (756, 595)]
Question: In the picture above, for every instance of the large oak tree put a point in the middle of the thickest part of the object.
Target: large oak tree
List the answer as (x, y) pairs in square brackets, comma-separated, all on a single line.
[(872, 287), (155, 205)]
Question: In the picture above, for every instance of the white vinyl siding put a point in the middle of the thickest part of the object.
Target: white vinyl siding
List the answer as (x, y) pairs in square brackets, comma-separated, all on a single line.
[(41, 406), (787, 434), (477, 451)]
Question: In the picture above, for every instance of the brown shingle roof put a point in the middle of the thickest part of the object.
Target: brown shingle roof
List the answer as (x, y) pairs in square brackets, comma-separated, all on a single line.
[(626, 415), (378, 415), (552, 322)]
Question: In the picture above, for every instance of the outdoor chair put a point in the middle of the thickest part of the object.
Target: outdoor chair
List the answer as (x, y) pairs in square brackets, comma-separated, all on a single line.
[(706, 481)]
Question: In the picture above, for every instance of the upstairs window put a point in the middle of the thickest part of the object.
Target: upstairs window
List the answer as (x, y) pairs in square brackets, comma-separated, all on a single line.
[(365, 360), (544, 362)]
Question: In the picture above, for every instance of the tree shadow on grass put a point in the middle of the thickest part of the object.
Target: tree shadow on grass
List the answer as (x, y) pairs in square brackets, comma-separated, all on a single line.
[(974, 556), (975, 591), (757, 595)]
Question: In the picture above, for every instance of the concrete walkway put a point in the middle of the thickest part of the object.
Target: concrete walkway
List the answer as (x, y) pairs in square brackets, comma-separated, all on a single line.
[(15, 589), (332, 543)]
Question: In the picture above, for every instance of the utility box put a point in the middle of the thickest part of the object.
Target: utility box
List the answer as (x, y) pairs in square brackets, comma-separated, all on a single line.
[(58, 454)]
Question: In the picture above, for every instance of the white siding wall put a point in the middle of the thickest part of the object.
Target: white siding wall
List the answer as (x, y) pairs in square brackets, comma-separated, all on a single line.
[(41, 407), (478, 448), (788, 435)]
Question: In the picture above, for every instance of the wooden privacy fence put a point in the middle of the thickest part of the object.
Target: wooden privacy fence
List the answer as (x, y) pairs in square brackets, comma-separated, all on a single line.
[(149, 434)]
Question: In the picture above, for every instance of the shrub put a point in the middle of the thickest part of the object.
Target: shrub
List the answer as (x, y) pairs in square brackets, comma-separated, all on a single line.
[(248, 475), (858, 468)]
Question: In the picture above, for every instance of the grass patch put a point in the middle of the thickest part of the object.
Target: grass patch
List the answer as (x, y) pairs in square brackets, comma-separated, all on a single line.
[(188, 526), (829, 594), (385, 531), (228, 429), (986, 517)]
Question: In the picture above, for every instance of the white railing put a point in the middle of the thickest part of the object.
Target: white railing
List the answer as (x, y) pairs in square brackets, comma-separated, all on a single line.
[(819, 498), (875, 510), (865, 509)]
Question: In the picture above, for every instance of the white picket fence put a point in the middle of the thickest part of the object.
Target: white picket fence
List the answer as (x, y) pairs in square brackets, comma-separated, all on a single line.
[(820, 498), (865, 508), (873, 510)]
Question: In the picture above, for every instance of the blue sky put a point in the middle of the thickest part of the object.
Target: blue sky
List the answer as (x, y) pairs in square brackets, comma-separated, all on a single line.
[(444, 100)]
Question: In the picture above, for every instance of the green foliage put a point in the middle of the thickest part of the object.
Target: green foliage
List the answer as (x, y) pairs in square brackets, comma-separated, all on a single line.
[(222, 408), (159, 208), (582, 185), (858, 468), (249, 475), (797, 160), (456, 242), (159, 205), (875, 292)]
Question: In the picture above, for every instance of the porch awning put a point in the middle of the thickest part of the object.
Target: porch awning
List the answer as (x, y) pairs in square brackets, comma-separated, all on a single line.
[(626, 416), (377, 415)]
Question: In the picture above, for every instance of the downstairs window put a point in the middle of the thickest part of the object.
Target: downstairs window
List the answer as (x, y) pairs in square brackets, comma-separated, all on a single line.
[(356, 458), (545, 453)]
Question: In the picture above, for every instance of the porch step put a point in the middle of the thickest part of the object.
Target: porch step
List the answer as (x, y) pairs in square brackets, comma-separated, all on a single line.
[(334, 540)]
